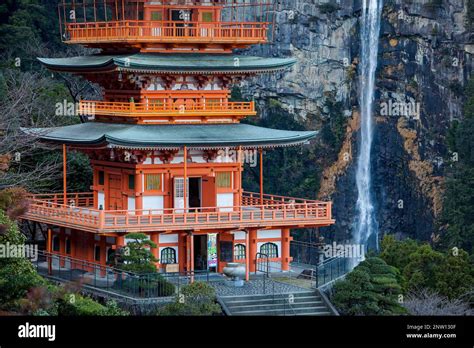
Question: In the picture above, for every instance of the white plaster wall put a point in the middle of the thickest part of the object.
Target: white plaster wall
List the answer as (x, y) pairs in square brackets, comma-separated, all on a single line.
[(101, 200), (240, 236), (265, 234), (168, 238), (225, 200), (154, 203), (131, 203)]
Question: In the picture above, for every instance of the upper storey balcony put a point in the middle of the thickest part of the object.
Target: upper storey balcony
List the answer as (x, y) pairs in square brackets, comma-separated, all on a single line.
[(159, 112), (167, 25)]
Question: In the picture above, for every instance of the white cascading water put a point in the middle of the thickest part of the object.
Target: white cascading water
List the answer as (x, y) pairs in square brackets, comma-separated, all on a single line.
[(366, 227)]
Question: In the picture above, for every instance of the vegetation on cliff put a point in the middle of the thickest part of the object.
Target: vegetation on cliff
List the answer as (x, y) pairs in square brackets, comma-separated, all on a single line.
[(458, 217)]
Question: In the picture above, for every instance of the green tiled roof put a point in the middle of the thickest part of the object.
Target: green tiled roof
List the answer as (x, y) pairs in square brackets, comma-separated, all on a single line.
[(166, 63), (97, 134)]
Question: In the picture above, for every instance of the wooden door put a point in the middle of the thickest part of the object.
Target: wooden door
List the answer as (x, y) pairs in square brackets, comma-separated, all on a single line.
[(178, 201), (115, 201), (209, 194)]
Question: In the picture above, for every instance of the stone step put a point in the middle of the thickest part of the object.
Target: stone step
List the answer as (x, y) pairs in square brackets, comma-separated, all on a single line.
[(268, 296), (265, 307), (271, 300), (317, 310), (306, 303)]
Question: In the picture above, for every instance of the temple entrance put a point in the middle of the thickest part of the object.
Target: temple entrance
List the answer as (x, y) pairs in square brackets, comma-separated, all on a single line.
[(194, 194), (200, 253)]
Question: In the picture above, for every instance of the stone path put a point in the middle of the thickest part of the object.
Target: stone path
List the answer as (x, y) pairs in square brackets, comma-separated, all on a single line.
[(255, 287)]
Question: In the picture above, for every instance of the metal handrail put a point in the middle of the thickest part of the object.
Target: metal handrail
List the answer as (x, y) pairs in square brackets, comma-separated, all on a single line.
[(115, 279)]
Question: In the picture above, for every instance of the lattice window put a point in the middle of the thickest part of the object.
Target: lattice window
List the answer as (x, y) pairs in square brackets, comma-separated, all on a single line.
[(239, 252), (224, 180), (207, 17), (153, 182), (269, 249), (168, 256)]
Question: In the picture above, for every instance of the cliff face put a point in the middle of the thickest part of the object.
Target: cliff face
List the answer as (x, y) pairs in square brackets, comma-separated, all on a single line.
[(425, 60)]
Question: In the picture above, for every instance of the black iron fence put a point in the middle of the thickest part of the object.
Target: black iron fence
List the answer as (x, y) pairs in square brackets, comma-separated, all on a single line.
[(117, 281)]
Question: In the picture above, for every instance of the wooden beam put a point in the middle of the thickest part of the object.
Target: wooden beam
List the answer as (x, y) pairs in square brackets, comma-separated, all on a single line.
[(185, 189), (261, 176), (48, 248), (65, 174), (247, 256)]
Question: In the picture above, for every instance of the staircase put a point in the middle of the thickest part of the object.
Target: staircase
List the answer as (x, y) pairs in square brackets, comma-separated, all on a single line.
[(309, 303)]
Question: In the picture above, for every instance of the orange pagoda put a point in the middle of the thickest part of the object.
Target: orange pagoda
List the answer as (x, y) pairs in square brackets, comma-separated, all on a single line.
[(166, 144)]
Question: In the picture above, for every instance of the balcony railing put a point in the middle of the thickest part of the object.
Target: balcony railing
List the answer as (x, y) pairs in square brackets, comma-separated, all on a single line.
[(151, 109), (277, 212), (141, 31)]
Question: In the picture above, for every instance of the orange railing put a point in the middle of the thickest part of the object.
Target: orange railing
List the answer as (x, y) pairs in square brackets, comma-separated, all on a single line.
[(166, 31), (81, 199), (252, 198), (304, 213), (152, 109)]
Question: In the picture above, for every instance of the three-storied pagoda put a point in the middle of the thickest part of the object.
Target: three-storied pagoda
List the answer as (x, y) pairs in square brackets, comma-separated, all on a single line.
[(166, 144)]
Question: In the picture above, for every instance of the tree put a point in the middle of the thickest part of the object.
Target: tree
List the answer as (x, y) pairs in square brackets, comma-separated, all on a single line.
[(17, 274), (449, 273), (372, 288), (457, 219), (136, 256), (396, 253)]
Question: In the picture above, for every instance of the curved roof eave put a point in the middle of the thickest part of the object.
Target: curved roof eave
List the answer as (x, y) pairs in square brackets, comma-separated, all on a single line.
[(97, 135), (176, 64)]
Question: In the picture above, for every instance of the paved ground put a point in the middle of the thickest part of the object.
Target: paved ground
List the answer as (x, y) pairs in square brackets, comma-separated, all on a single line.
[(256, 287)]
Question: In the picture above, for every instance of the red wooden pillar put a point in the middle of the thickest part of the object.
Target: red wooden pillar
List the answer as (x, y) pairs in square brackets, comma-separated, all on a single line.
[(72, 241), (185, 189), (90, 251), (65, 174), (261, 176), (285, 249), (48, 249), (139, 192), (182, 252), (247, 256), (62, 247), (103, 256), (155, 238), (190, 255), (252, 246)]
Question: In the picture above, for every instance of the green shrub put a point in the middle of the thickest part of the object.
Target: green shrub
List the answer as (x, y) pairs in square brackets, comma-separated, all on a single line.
[(197, 299), (147, 285), (76, 305), (372, 288)]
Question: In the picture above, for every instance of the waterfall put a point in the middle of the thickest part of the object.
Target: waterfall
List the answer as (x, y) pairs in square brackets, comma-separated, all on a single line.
[(366, 227)]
